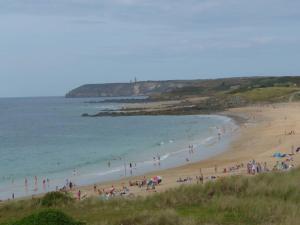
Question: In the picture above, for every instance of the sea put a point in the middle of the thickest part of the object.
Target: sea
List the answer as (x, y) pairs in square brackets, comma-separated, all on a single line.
[(45, 143)]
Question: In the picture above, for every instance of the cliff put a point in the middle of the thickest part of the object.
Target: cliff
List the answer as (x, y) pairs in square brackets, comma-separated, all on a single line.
[(143, 88), (177, 88), (147, 88)]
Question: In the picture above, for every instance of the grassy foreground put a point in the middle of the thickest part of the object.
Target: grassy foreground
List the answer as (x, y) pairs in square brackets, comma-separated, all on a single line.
[(264, 199)]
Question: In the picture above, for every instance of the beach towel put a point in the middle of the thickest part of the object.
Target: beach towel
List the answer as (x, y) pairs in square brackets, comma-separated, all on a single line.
[(279, 155)]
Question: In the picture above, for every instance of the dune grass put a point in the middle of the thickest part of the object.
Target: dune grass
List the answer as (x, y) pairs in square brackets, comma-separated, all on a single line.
[(264, 199), (267, 94)]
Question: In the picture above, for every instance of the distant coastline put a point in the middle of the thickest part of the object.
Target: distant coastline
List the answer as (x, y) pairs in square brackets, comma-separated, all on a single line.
[(190, 97)]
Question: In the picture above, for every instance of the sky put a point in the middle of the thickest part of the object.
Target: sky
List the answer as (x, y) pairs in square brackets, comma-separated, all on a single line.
[(48, 47)]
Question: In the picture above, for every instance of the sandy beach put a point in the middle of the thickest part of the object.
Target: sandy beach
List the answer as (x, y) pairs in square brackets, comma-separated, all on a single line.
[(264, 130)]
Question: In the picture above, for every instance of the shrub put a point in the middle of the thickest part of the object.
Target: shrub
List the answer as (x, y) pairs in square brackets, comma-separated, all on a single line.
[(47, 217), (56, 199)]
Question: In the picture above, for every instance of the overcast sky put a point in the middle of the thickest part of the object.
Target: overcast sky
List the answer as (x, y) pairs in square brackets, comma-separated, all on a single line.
[(48, 47)]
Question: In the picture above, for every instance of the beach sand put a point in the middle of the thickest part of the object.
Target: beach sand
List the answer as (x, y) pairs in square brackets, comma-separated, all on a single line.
[(263, 132)]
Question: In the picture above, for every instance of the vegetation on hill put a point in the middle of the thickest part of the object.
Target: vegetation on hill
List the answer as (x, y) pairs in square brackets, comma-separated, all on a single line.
[(272, 198), (236, 86), (223, 94), (178, 88), (267, 94)]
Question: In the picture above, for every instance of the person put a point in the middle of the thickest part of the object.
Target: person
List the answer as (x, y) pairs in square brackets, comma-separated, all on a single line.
[(70, 185), (130, 165), (44, 184), (108, 164), (144, 182), (48, 182), (95, 187), (253, 169), (201, 178), (13, 196), (265, 167), (216, 169), (79, 194)]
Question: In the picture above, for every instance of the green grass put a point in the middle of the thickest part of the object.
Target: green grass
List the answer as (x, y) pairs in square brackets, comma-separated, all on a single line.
[(47, 217), (265, 199), (267, 94)]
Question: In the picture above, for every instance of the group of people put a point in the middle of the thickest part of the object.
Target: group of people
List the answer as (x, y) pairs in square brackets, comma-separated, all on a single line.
[(68, 186), (292, 132), (187, 179), (45, 184), (107, 193), (234, 168), (254, 167)]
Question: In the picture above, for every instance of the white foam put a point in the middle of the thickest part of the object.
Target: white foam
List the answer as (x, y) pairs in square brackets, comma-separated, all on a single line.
[(208, 140), (165, 156)]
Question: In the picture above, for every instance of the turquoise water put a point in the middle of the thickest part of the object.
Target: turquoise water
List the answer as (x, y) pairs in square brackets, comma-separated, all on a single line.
[(47, 138)]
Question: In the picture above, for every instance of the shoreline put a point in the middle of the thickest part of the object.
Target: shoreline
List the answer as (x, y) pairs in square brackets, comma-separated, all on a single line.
[(259, 130), (253, 122), (176, 158)]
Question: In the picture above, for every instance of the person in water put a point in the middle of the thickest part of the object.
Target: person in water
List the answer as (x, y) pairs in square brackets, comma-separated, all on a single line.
[(130, 166)]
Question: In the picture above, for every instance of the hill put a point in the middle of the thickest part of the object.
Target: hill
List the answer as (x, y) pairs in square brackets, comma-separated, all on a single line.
[(175, 88)]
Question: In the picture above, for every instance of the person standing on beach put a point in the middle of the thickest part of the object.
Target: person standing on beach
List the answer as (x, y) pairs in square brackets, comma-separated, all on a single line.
[(154, 161), (108, 164), (201, 178), (70, 185), (79, 195)]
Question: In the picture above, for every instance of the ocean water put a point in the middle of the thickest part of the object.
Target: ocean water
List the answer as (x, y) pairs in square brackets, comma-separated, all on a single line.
[(47, 138)]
